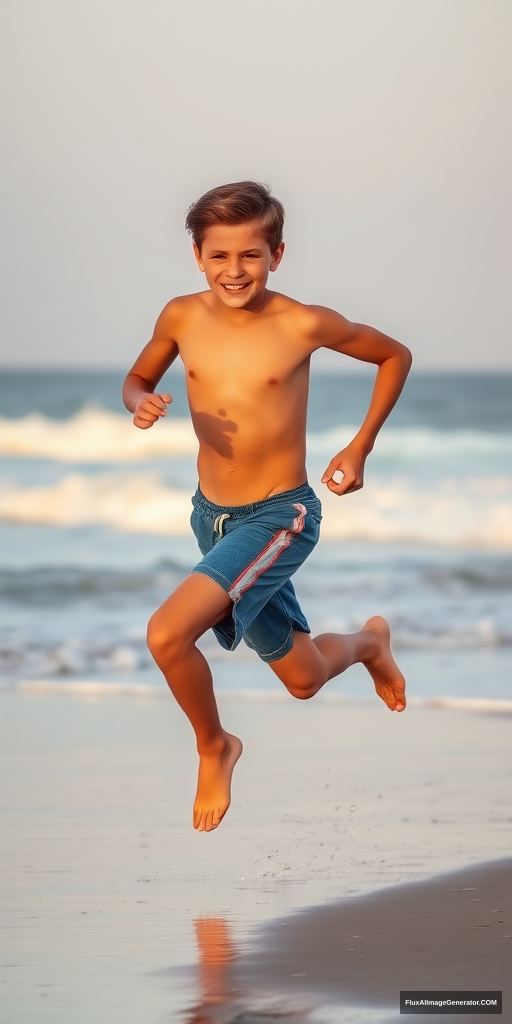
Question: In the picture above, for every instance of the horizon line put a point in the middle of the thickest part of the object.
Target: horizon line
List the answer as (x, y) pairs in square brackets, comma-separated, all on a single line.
[(315, 371)]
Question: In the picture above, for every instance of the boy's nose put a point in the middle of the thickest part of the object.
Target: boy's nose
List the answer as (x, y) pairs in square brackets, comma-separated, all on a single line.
[(235, 269)]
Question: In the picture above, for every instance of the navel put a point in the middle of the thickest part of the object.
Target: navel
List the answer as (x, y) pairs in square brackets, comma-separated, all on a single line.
[(192, 374)]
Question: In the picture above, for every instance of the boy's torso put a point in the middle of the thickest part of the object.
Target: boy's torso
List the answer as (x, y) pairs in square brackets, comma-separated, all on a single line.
[(247, 383)]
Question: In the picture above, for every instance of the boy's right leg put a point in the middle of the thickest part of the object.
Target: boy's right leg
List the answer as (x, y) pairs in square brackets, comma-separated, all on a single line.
[(194, 607)]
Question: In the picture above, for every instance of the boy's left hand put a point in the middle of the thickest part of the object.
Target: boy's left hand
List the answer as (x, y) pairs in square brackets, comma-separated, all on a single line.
[(350, 462)]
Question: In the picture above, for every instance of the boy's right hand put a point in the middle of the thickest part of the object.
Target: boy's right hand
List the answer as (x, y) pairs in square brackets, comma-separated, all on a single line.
[(149, 409)]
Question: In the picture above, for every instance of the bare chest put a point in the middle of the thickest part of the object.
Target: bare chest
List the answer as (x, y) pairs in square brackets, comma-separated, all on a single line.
[(224, 365)]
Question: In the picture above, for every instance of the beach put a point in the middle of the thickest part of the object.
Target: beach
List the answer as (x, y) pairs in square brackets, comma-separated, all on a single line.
[(365, 853), (110, 890)]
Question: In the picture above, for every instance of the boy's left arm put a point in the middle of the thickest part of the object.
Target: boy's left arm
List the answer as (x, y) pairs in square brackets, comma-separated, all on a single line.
[(394, 361)]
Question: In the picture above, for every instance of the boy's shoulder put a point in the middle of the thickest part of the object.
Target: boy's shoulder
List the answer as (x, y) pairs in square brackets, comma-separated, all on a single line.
[(316, 324), (182, 305), (177, 314), (311, 321)]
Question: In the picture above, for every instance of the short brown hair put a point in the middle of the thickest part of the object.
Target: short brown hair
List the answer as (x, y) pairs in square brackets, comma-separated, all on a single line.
[(237, 203)]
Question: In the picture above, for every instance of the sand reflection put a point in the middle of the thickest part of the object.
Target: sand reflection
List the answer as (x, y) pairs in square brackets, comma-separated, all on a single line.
[(221, 999), (217, 952)]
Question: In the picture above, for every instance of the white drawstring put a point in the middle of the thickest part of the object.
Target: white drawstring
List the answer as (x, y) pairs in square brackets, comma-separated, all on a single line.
[(218, 526)]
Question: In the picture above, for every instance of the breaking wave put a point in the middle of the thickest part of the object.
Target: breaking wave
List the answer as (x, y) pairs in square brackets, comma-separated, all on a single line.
[(100, 436), (139, 504), (467, 512), (93, 435)]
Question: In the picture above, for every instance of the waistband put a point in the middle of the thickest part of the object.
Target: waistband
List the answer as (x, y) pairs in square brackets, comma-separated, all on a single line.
[(302, 493)]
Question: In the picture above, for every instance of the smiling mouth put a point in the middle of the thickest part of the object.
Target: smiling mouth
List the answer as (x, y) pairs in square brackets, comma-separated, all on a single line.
[(236, 287)]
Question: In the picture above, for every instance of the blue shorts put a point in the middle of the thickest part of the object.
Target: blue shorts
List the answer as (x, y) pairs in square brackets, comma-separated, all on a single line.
[(251, 551)]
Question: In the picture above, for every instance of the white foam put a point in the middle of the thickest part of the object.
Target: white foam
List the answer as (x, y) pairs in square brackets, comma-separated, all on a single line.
[(94, 435), (139, 504), (474, 512), (410, 445), (97, 435), (88, 687), (468, 512)]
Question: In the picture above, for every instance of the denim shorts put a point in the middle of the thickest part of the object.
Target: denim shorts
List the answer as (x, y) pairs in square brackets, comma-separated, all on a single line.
[(251, 551)]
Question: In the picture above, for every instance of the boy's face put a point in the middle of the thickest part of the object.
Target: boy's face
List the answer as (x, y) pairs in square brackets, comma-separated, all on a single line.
[(236, 260)]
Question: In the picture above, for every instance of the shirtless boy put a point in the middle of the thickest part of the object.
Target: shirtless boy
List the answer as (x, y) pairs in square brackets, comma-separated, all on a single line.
[(246, 352)]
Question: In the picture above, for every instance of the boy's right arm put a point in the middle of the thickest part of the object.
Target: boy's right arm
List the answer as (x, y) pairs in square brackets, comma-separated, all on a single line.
[(139, 387)]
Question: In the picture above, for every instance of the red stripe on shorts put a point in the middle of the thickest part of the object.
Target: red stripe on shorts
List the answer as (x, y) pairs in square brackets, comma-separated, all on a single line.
[(279, 542)]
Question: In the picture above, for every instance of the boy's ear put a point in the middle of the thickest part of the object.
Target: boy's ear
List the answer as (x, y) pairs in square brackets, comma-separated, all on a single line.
[(197, 255), (277, 257)]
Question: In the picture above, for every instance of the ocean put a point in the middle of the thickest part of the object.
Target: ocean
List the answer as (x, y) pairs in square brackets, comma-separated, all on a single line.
[(94, 523)]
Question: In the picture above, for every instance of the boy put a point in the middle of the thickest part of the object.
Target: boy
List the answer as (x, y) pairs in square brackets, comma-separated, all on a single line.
[(246, 352)]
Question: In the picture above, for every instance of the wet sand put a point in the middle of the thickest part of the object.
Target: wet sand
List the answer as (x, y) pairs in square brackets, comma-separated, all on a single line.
[(450, 933), (110, 893)]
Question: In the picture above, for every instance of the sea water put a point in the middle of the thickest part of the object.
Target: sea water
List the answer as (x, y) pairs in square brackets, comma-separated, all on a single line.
[(94, 524)]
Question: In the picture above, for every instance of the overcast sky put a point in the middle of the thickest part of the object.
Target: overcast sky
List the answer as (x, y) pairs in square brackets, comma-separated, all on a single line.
[(383, 126)]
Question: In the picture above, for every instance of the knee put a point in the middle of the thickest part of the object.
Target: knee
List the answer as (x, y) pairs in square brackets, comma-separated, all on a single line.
[(302, 694), (156, 636), (302, 682), (303, 688), (164, 643)]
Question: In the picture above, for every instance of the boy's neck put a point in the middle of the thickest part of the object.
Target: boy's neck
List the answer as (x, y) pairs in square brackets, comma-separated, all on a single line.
[(257, 305)]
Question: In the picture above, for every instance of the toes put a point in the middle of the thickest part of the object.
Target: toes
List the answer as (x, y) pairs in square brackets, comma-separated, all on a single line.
[(200, 820), (217, 817), (207, 821), (399, 702), (394, 701)]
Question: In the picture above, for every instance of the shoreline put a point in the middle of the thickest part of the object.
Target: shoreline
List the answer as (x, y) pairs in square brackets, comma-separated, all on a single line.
[(99, 688)]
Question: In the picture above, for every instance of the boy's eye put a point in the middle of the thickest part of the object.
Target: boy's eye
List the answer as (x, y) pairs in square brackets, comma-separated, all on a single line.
[(246, 256)]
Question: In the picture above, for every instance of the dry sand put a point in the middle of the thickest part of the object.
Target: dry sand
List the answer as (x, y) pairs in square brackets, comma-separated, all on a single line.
[(105, 876)]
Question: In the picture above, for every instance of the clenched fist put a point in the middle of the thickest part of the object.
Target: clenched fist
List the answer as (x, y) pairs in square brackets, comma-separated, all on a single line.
[(149, 409), (350, 463)]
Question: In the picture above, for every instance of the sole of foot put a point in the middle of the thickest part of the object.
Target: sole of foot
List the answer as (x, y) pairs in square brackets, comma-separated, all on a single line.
[(214, 785), (389, 681)]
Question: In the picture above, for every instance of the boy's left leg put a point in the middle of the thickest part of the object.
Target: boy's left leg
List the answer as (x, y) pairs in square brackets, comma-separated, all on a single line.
[(313, 661)]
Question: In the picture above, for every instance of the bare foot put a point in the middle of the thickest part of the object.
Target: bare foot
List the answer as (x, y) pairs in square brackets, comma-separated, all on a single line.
[(214, 784), (389, 681)]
